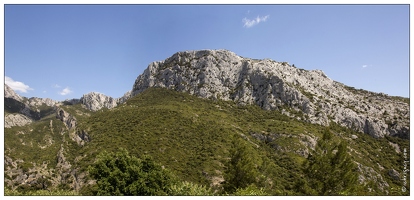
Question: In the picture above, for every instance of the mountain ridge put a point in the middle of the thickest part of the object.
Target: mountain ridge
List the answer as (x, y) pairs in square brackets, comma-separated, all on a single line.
[(222, 74), (272, 85)]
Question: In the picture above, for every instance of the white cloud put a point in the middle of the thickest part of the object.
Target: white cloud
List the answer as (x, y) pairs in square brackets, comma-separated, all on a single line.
[(365, 66), (56, 86), (65, 91), (251, 22), (17, 85)]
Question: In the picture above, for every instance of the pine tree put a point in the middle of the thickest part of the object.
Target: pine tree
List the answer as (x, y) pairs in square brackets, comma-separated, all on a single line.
[(329, 170), (242, 168)]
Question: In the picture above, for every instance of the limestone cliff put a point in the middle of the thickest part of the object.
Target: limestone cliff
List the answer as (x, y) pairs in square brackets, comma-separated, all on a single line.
[(221, 74), (95, 101)]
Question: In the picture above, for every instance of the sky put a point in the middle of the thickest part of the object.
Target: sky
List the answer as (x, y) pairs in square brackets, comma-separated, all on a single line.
[(64, 51)]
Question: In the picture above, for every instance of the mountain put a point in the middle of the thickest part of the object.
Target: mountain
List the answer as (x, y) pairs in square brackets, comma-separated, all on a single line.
[(221, 74), (187, 111)]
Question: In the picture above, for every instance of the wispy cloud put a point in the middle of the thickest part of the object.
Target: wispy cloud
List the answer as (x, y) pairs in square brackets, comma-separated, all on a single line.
[(17, 85), (65, 91), (251, 22), (55, 86), (365, 66)]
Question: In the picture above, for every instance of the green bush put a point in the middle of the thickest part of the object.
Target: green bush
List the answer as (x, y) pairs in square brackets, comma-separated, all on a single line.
[(189, 189), (251, 190), (122, 174)]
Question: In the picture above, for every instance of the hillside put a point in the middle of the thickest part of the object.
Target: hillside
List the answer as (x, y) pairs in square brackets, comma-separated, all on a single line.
[(192, 136), (189, 111)]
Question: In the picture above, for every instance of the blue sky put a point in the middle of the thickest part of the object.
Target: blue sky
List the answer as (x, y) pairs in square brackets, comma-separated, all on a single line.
[(65, 51)]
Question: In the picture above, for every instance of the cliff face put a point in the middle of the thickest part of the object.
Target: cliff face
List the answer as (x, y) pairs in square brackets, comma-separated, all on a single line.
[(95, 101), (20, 111), (221, 74)]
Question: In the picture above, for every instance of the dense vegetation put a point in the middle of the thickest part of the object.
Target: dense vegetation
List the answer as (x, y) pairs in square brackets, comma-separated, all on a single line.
[(212, 147)]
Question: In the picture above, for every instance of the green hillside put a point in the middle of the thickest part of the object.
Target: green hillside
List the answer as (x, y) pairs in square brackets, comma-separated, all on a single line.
[(196, 139)]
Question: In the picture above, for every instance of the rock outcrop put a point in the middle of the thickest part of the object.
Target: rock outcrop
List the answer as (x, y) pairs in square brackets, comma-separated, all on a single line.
[(11, 120), (36, 102), (95, 101), (34, 108), (79, 136), (66, 118), (221, 74), (369, 174), (9, 93)]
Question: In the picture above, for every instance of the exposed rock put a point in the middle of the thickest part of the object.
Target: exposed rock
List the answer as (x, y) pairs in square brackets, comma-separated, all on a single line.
[(221, 74), (394, 174), (66, 118), (95, 101), (79, 136), (33, 108), (66, 173), (354, 137), (61, 160), (267, 138), (400, 130), (369, 174), (375, 128), (9, 93), (35, 102), (41, 176), (308, 141), (71, 101), (125, 97), (395, 146), (11, 120)]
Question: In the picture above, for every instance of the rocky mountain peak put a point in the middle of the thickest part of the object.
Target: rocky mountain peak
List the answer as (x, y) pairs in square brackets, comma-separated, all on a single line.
[(9, 93), (95, 101), (221, 74)]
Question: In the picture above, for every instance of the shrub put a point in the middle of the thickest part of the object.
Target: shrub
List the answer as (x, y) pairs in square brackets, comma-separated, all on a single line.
[(9, 192), (251, 190), (121, 174), (189, 189)]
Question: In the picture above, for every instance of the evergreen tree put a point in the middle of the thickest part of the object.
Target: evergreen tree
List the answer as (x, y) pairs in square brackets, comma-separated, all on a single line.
[(242, 168), (329, 170)]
